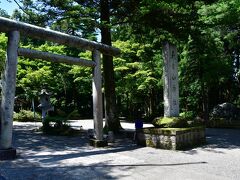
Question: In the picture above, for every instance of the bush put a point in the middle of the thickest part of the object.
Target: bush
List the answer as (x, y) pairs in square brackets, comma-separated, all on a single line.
[(58, 128), (26, 116), (55, 121), (189, 115), (74, 115)]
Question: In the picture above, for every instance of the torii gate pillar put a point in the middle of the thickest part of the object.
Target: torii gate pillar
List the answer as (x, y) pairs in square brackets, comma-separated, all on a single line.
[(7, 152), (97, 102)]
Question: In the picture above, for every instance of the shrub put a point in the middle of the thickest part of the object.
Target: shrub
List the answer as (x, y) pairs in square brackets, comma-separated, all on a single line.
[(54, 121), (74, 115), (189, 115), (26, 116), (58, 128)]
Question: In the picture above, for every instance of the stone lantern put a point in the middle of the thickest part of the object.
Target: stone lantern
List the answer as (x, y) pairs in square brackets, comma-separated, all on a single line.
[(45, 103)]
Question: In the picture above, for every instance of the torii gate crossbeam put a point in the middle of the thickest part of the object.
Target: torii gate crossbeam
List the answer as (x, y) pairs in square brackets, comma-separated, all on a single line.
[(14, 29)]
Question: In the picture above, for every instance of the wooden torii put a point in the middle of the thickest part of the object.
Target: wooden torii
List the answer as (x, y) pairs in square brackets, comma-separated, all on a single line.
[(14, 29)]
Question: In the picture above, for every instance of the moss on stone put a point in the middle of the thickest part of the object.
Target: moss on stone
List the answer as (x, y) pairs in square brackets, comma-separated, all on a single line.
[(149, 143), (168, 131), (170, 122), (172, 138), (97, 143)]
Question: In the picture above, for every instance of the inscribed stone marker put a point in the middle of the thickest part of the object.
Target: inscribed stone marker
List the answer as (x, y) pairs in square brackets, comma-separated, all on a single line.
[(171, 86)]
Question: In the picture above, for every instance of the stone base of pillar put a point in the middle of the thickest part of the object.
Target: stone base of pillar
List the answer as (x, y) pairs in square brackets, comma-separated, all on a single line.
[(8, 154), (97, 143)]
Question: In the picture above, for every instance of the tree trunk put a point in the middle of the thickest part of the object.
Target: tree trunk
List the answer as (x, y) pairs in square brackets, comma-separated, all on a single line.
[(204, 93), (112, 122), (205, 103)]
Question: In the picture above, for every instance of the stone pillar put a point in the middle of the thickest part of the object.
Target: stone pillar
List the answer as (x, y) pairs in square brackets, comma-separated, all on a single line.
[(171, 85), (8, 94), (97, 96)]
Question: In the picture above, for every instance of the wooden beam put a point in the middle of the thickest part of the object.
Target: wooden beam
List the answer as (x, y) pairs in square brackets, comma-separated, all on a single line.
[(37, 32), (29, 53), (8, 90), (97, 96)]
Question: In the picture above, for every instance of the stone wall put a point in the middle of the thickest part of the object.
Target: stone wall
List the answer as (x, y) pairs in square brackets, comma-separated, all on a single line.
[(171, 138)]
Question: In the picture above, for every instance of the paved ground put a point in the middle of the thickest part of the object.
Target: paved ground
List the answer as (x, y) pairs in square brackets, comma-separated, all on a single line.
[(50, 157)]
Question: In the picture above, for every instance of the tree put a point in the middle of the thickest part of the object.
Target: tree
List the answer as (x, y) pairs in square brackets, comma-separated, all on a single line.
[(205, 32), (3, 13), (205, 68), (3, 47), (138, 79), (109, 83), (222, 17), (85, 17)]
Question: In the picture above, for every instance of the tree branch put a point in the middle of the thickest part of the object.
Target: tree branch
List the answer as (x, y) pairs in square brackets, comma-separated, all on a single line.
[(20, 7)]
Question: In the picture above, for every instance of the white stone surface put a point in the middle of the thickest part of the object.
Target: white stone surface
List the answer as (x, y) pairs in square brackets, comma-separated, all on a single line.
[(171, 85)]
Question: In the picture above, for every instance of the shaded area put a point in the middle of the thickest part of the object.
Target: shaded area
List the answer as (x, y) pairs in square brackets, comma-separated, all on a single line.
[(59, 157), (41, 156), (95, 171), (27, 138), (219, 139), (223, 138)]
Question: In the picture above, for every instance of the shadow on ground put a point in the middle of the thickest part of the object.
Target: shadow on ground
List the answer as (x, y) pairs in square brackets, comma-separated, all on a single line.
[(220, 139), (59, 157)]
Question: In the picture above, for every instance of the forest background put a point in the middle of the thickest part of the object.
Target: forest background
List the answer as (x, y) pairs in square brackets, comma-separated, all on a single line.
[(206, 33)]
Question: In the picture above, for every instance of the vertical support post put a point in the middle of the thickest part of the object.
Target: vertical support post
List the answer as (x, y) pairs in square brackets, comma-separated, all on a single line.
[(97, 96), (171, 85), (8, 95)]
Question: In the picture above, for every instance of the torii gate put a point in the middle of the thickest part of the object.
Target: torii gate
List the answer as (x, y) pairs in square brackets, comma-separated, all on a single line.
[(13, 30)]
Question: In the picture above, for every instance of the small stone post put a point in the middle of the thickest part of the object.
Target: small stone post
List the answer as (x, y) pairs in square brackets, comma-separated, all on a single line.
[(97, 98), (171, 85), (8, 94)]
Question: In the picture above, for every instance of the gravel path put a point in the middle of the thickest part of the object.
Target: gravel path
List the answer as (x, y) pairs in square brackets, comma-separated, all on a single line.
[(51, 157)]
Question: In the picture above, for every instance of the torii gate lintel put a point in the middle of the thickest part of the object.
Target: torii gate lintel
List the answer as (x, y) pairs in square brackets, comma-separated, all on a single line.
[(14, 29)]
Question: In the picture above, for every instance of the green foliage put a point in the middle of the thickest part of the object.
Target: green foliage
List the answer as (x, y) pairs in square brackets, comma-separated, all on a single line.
[(63, 130), (26, 116), (3, 47), (206, 34), (189, 115), (185, 120), (66, 83), (74, 115), (58, 126), (58, 120), (137, 73), (205, 68), (3, 13), (171, 122)]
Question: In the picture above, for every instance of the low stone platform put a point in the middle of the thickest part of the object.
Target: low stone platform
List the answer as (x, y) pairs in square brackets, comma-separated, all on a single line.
[(8, 154), (97, 143), (171, 138)]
